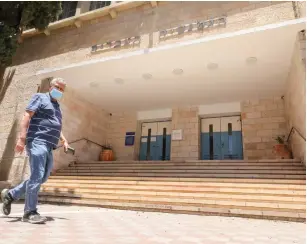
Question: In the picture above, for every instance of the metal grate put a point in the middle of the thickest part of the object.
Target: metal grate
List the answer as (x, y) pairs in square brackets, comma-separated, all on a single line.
[(68, 9), (99, 4)]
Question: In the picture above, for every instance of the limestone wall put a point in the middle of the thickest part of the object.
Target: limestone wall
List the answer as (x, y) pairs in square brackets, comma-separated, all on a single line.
[(295, 97), (262, 121)]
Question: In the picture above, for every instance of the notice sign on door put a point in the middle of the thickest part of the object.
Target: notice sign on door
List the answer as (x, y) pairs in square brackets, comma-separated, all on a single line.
[(129, 138), (176, 135)]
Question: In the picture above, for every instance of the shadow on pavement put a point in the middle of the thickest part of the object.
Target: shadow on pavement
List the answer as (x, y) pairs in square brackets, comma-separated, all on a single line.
[(18, 219)]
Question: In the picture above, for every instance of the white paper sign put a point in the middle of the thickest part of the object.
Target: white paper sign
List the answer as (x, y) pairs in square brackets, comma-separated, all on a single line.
[(153, 138), (177, 135)]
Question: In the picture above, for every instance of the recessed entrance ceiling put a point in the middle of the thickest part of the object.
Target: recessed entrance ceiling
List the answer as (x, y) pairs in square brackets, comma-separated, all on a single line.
[(227, 69)]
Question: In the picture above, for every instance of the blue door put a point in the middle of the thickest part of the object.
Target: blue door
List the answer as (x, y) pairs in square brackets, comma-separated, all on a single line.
[(149, 142), (231, 137), (221, 138), (155, 141), (211, 139)]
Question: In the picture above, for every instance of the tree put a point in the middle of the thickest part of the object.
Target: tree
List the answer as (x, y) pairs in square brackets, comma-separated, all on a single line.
[(15, 17)]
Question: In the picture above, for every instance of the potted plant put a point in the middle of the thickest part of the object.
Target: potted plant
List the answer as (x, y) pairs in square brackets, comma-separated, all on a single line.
[(107, 153), (281, 149)]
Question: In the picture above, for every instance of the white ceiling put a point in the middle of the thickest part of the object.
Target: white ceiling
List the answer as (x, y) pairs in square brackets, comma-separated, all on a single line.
[(233, 80)]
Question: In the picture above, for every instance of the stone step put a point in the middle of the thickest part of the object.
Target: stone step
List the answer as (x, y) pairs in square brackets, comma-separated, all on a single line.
[(189, 175), (197, 163), (299, 206), (178, 180), (198, 171), (254, 189), (191, 208), (202, 161), (274, 189), (290, 197), (186, 167)]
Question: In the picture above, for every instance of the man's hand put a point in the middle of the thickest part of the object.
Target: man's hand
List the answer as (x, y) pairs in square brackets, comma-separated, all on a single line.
[(65, 144), (20, 146), (64, 141)]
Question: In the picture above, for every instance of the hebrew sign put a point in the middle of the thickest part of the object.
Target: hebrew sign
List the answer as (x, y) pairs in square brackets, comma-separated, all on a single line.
[(198, 26), (192, 27), (131, 41)]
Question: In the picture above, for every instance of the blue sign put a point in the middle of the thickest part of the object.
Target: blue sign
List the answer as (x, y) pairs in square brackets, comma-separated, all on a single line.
[(129, 139)]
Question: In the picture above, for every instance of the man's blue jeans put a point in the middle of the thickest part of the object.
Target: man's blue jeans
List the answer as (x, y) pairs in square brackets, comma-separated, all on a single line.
[(41, 163)]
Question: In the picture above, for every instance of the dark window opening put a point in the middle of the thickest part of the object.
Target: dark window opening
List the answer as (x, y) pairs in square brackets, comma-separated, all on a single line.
[(230, 140), (99, 4), (148, 144), (229, 129), (211, 142), (68, 9), (164, 144)]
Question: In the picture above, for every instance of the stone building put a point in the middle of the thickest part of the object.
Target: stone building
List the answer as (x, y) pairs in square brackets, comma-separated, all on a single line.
[(165, 80)]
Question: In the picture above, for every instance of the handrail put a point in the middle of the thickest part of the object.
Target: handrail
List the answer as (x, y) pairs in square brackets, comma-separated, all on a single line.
[(298, 132), (71, 142), (104, 147), (4, 158)]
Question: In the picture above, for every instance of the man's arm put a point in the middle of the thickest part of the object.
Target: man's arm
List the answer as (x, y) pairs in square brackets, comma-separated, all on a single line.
[(23, 131), (62, 137), (32, 107)]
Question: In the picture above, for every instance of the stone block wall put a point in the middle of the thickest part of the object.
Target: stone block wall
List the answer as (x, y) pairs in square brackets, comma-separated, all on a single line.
[(295, 97), (81, 119), (118, 125), (14, 97), (186, 119), (71, 45), (262, 121)]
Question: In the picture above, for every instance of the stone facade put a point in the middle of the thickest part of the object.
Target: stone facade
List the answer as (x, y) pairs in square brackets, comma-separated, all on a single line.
[(295, 97), (118, 125), (187, 120), (82, 119), (70, 44), (262, 121)]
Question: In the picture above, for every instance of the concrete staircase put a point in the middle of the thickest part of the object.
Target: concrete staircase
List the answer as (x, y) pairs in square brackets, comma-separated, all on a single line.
[(260, 189)]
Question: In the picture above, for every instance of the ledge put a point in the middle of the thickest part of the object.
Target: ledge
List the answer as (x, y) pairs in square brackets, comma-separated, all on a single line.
[(112, 10)]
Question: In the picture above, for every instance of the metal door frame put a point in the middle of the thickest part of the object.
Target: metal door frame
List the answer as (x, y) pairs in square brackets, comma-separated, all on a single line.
[(220, 117), (149, 122)]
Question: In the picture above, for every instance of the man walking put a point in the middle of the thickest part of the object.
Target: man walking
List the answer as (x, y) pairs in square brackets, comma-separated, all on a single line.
[(41, 129)]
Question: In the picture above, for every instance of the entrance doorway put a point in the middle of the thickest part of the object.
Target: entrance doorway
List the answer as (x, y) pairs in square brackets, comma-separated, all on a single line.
[(221, 138), (156, 141)]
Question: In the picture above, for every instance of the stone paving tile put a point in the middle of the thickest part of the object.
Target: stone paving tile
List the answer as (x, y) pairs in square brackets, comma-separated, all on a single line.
[(73, 224)]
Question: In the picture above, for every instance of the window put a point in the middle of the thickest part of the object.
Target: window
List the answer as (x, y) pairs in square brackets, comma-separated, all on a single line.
[(164, 144), (211, 150), (68, 9), (148, 145), (99, 4), (230, 140)]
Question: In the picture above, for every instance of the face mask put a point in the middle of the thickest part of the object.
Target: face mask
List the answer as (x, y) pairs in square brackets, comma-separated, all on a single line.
[(56, 94)]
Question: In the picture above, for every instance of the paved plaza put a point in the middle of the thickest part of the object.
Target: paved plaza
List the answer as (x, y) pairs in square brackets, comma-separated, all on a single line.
[(72, 224)]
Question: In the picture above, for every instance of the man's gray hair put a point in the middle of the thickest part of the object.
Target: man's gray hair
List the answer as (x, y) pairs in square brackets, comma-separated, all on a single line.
[(57, 80)]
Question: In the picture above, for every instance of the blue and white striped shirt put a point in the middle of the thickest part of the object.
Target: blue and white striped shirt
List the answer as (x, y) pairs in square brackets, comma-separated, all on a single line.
[(46, 123)]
